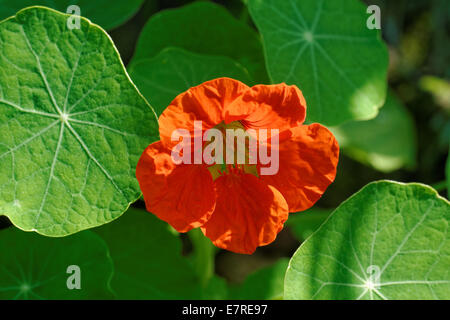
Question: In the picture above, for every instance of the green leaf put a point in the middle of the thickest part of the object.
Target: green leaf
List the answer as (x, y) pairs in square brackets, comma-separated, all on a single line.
[(173, 71), (326, 49), (108, 14), (388, 241), (264, 284), (386, 143), (72, 125), (36, 267), (204, 28), (304, 223), (147, 259), (216, 289)]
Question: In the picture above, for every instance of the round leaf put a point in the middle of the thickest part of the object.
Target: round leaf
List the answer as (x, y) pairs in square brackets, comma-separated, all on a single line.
[(36, 267), (388, 241), (204, 28), (147, 259), (72, 125), (173, 71), (326, 49)]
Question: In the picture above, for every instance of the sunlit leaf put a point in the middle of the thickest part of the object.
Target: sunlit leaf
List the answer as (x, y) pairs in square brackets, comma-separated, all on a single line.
[(173, 71), (72, 125), (386, 143), (388, 241), (326, 49)]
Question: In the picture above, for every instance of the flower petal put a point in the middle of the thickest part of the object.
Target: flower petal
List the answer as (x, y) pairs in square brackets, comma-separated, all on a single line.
[(182, 195), (205, 102), (307, 166), (248, 214), (269, 107)]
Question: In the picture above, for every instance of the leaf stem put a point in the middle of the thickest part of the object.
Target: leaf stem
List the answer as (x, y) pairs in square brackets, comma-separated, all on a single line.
[(440, 186), (203, 256)]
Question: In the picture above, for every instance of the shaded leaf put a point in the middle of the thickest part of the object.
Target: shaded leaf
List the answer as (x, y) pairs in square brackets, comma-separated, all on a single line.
[(264, 284), (386, 143), (304, 223), (147, 259), (204, 28), (173, 71), (216, 289), (35, 267)]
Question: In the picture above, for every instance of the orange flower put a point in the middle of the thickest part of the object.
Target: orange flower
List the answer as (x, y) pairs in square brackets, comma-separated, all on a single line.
[(236, 206)]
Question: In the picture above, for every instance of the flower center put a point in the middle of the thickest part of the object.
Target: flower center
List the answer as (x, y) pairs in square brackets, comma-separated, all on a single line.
[(236, 144)]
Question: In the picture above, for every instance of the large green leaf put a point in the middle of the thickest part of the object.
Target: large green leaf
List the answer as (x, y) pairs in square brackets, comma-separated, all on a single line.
[(204, 28), (264, 284), (108, 14), (147, 259), (325, 48), (173, 71), (36, 267), (387, 142), (72, 125), (388, 241)]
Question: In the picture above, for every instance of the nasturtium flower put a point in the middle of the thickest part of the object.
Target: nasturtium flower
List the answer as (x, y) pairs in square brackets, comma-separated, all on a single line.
[(236, 206)]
